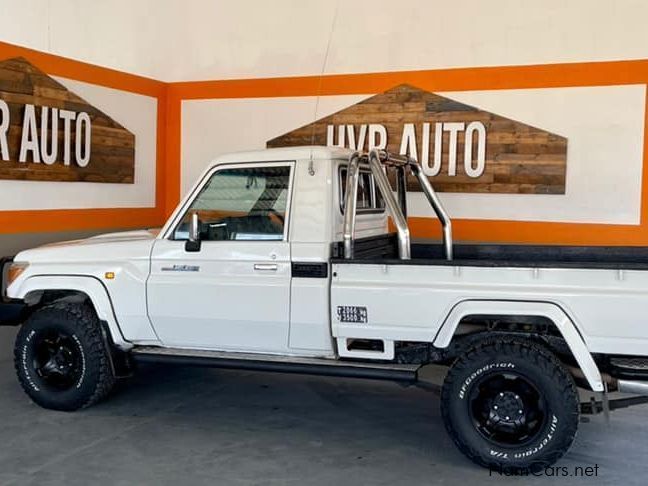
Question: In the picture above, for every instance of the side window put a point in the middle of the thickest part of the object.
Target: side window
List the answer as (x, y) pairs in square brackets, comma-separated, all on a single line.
[(247, 203), (369, 197)]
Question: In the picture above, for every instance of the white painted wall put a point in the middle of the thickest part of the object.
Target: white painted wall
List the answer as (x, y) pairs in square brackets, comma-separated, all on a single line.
[(136, 113), (174, 40), (604, 127)]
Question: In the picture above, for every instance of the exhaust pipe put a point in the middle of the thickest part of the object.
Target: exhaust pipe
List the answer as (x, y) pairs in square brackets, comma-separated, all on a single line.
[(634, 387)]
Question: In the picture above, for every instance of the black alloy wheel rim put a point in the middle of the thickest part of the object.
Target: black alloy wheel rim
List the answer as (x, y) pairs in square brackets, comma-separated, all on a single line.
[(58, 360), (507, 409)]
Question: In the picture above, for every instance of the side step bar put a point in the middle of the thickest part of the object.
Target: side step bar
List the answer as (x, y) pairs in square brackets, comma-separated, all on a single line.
[(634, 387), (594, 407), (637, 388), (282, 364)]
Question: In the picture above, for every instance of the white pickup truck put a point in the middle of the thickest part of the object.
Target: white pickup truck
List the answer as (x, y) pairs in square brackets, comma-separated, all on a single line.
[(282, 260)]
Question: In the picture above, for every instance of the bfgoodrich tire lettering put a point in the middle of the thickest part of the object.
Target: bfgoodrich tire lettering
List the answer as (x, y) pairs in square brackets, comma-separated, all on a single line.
[(509, 404), (61, 359)]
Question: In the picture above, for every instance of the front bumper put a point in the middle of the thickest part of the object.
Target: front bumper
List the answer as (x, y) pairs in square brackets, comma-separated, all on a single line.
[(12, 312)]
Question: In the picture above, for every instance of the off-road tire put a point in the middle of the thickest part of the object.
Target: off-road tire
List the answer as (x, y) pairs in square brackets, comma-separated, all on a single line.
[(79, 322), (538, 365)]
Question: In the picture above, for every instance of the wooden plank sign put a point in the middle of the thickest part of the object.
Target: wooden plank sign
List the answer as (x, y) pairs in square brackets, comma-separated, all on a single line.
[(47, 133), (461, 148)]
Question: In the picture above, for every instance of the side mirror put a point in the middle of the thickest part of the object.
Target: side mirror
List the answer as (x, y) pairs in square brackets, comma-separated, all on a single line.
[(193, 243)]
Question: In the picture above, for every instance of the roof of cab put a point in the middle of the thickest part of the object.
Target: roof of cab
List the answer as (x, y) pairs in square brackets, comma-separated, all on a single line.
[(308, 152)]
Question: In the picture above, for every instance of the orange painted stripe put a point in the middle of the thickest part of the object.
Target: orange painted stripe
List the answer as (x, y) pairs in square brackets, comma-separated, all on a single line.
[(457, 79), (40, 221), (491, 231), (172, 147), (160, 154), (644, 171), (82, 71)]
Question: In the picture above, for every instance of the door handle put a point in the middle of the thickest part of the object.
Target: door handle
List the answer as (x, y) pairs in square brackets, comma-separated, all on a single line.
[(268, 267)]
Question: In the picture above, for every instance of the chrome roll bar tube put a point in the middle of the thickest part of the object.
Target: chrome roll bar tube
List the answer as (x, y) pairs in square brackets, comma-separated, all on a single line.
[(397, 208), (350, 202), (404, 249), (437, 206)]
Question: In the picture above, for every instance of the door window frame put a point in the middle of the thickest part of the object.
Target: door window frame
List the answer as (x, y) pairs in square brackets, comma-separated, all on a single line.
[(182, 212)]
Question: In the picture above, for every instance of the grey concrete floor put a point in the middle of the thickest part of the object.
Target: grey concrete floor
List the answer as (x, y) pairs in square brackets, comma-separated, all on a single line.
[(199, 426)]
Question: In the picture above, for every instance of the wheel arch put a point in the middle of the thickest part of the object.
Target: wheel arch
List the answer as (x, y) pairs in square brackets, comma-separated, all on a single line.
[(518, 309), (34, 288)]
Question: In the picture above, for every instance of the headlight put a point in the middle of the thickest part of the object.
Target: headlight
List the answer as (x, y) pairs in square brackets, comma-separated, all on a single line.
[(15, 270)]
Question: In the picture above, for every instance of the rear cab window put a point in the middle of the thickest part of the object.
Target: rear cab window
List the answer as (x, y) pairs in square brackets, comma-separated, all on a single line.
[(370, 199)]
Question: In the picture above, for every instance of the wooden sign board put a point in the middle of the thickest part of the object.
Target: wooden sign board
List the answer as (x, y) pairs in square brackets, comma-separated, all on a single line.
[(47, 133), (460, 147)]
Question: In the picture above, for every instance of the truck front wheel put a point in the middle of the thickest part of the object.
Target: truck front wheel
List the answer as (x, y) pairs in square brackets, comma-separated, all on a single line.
[(61, 358), (510, 405)]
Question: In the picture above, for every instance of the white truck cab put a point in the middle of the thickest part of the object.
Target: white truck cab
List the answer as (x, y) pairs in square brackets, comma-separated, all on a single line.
[(286, 260)]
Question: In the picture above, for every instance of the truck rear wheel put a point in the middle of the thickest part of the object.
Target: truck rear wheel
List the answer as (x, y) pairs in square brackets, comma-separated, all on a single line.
[(61, 358), (510, 405)]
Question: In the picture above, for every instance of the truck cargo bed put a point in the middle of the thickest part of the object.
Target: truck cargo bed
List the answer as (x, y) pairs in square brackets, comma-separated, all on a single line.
[(383, 249)]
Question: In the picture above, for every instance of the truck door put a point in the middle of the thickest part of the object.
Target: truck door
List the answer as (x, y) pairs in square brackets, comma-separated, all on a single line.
[(234, 292)]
